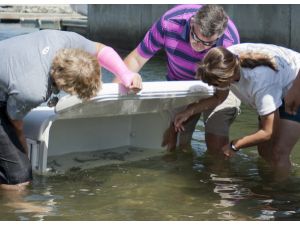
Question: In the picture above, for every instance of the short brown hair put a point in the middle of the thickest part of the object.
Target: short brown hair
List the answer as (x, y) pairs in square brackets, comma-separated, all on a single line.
[(212, 20), (76, 72)]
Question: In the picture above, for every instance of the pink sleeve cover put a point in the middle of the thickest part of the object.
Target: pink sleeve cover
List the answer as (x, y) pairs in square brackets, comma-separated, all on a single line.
[(110, 60)]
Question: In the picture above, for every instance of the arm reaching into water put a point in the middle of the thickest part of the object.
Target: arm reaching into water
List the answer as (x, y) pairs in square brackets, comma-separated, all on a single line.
[(198, 107), (268, 124)]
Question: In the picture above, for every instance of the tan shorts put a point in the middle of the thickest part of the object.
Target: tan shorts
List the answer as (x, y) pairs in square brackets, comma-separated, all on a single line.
[(218, 120)]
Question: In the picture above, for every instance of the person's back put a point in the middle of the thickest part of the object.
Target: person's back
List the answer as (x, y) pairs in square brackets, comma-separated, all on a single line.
[(258, 84), (28, 60), (285, 57)]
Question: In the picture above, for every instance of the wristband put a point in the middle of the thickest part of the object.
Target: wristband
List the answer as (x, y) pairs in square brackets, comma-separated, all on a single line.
[(233, 148)]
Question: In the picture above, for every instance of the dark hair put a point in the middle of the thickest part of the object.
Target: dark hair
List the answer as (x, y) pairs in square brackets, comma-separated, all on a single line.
[(212, 20), (219, 64)]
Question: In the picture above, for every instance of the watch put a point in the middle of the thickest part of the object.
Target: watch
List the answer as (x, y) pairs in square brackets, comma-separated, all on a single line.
[(233, 148)]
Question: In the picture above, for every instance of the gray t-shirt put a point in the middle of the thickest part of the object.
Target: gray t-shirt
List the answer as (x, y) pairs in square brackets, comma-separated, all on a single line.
[(25, 64)]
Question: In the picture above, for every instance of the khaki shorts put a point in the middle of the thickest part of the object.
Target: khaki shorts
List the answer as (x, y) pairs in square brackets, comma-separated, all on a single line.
[(217, 121)]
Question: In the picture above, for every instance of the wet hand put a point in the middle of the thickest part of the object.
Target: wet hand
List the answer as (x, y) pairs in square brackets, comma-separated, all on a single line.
[(180, 118), (228, 152)]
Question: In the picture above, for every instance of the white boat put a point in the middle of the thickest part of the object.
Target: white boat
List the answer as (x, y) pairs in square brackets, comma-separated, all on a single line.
[(109, 120)]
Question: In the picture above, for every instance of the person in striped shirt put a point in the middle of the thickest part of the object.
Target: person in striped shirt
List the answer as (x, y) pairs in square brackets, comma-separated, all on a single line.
[(186, 33)]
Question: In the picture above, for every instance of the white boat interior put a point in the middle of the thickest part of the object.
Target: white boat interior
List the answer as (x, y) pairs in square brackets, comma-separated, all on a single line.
[(109, 120)]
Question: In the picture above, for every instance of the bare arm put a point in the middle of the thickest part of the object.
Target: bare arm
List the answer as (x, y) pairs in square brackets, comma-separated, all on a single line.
[(198, 107), (18, 125), (268, 124), (135, 61)]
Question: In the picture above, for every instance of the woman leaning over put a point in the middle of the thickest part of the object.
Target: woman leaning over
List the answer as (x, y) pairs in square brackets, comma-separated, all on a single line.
[(260, 75)]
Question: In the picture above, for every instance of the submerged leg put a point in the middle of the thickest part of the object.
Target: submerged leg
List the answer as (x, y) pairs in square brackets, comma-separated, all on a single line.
[(218, 122), (170, 138), (15, 167), (289, 133), (185, 137)]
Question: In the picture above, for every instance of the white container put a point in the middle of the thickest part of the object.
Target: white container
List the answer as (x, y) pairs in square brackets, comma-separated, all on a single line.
[(109, 120)]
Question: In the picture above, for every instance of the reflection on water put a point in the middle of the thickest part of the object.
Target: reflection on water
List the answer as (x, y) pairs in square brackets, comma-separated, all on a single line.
[(193, 187), (187, 189)]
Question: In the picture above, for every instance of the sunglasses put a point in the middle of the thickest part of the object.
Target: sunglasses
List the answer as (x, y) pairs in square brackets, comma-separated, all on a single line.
[(198, 40)]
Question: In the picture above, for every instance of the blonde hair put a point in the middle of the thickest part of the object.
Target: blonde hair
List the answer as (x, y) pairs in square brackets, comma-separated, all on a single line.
[(219, 64), (76, 72)]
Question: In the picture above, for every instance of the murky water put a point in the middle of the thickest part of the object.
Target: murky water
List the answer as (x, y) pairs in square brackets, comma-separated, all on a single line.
[(193, 187)]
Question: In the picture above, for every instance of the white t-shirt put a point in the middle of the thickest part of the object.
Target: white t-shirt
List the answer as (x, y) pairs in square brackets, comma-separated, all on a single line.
[(263, 88)]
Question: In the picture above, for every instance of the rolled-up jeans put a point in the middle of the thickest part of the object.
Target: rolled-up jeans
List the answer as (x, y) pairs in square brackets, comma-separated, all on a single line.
[(217, 121)]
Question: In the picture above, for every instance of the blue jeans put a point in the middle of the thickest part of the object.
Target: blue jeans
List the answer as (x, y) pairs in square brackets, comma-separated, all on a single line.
[(15, 167)]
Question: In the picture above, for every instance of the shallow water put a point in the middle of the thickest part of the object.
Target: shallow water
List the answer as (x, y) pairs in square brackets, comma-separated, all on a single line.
[(193, 187)]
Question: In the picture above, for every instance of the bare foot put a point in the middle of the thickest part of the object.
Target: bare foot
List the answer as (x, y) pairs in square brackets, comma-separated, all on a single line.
[(170, 138)]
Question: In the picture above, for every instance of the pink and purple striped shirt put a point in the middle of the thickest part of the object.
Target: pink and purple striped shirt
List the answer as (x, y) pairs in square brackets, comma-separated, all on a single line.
[(171, 33)]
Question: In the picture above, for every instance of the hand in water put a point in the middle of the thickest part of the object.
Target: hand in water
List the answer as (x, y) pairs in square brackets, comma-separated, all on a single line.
[(228, 152), (180, 118)]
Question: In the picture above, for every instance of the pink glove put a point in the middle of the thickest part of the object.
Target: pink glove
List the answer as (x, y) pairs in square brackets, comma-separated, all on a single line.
[(110, 60)]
